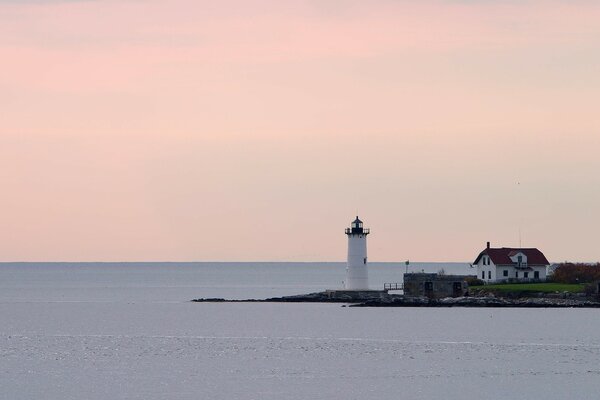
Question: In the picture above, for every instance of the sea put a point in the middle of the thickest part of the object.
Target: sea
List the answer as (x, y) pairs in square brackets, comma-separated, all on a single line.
[(129, 331)]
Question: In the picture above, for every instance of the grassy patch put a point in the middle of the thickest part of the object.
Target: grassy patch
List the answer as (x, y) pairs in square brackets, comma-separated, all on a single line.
[(534, 287)]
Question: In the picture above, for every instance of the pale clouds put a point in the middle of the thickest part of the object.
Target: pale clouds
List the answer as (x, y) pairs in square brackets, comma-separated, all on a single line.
[(130, 127)]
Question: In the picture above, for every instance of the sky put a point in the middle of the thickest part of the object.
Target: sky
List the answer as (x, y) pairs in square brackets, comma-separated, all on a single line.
[(179, 130)]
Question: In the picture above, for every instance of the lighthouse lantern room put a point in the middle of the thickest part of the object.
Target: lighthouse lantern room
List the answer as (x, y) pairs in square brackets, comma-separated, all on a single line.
[(356, 269)]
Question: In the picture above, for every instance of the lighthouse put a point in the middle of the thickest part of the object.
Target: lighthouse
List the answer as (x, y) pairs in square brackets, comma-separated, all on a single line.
[(356, 270)]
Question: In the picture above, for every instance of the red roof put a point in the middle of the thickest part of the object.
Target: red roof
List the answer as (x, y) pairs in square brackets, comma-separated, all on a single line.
[(502, 256)]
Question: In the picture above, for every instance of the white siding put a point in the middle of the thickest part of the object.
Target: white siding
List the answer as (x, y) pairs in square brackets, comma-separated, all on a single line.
[(500, 273), (486, 273), (542, 271), (512, 271), (493, 271)]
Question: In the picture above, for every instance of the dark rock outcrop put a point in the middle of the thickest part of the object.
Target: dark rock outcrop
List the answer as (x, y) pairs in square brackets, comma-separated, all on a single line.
[(482, 302), (330, 296), (382, 299)]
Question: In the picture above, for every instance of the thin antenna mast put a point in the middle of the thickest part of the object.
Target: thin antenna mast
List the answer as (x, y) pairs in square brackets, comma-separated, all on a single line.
[(520, 214)]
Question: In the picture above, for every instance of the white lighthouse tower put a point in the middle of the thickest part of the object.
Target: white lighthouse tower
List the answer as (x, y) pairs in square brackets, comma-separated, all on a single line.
[(356, 271)]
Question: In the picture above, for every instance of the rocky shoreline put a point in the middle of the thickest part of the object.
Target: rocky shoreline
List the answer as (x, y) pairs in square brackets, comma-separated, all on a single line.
[(383, 299), (482, 302)]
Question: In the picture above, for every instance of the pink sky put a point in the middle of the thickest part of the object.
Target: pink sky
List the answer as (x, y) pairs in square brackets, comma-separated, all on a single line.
[(254, 130)]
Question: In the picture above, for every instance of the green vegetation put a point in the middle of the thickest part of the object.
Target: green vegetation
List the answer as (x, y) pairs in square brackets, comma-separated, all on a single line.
[(544, 287)]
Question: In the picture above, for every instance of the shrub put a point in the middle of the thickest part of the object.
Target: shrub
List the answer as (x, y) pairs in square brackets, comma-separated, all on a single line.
[(473, 281), (576, 273)]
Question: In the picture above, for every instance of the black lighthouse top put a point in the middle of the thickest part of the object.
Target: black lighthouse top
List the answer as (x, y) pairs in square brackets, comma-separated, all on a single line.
[(357, 228)]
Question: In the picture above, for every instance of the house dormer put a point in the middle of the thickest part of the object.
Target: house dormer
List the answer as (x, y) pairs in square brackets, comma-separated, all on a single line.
[(518, 258)]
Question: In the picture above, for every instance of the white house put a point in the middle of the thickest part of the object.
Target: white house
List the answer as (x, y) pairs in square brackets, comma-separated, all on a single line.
[(511, 264)]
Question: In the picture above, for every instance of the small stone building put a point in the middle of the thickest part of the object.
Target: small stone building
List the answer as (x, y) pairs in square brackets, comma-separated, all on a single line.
[(435, 286)]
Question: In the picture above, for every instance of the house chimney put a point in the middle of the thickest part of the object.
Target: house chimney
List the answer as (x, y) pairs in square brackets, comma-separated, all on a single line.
[(488, 245)]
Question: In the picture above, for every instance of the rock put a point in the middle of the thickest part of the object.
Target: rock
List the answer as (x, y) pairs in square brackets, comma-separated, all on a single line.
[(382, 299), (211, 300)]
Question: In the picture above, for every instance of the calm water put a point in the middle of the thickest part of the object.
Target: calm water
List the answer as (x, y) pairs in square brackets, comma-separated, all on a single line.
[(158, 282), (128, 331)]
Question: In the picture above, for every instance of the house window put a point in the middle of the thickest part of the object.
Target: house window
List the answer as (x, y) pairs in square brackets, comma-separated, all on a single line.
[(520, 260), (526, 274), (482, 274), (505, 273), (489, 274), (428, 286), (516, 274), (536, 274)]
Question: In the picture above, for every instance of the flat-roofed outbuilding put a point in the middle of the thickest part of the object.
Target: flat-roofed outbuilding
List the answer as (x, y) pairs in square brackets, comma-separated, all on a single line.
[(435, 286)]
